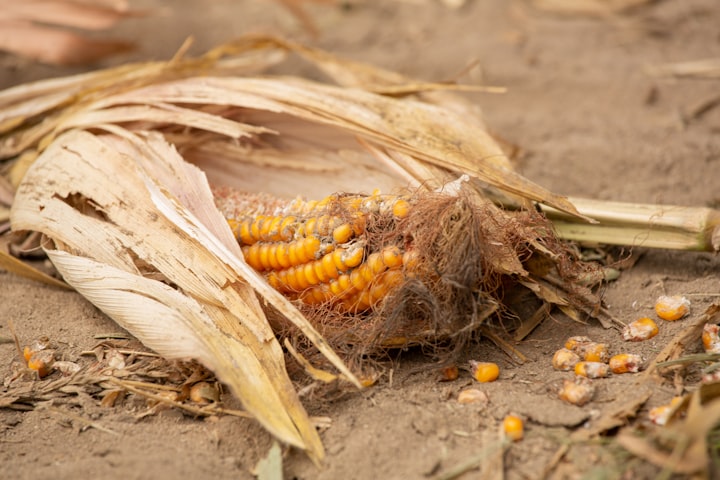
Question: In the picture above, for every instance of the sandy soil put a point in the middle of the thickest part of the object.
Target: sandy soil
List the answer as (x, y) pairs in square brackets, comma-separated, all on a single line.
[(589, 120)]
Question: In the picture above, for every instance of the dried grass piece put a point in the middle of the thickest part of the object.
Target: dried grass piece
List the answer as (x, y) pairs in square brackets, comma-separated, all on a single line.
[(700, 69), (589, 7)]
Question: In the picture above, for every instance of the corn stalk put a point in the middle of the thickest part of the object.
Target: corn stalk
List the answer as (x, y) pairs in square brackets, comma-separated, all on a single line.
[(640, 225)]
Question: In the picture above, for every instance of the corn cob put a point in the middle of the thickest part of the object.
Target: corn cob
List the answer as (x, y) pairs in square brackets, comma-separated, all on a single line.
[(324, 252)]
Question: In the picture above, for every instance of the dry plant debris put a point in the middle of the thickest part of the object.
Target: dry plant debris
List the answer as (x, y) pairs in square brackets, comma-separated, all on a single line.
[(114, 374), (45, 30)]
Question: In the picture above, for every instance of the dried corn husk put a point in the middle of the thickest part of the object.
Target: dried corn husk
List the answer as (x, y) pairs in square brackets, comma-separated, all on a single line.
[(128, 235)]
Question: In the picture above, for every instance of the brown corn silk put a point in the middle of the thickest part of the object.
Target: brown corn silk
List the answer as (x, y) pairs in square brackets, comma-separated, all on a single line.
[(458, 256)]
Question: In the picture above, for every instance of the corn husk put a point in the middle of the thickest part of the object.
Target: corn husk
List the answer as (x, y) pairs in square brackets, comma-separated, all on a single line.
[(125, 233)]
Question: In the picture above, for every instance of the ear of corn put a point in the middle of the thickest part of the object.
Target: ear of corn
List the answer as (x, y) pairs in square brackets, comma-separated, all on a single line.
[(323, 251)]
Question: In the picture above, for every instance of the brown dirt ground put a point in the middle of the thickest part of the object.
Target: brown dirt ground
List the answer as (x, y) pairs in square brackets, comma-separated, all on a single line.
[(590, 122)]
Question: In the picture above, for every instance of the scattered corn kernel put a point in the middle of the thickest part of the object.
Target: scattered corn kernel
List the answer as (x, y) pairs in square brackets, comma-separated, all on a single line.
[(574, 343), (473, 395), (40, 344), (660, 415), (577, 391), (595, 352), (710, 338), (672, 307), (484, 371), (204, 393), (626, 363), (449, 373), (565, 360), (641, 329), (42, 362), (592, 369), (587, 349), (513, 427)]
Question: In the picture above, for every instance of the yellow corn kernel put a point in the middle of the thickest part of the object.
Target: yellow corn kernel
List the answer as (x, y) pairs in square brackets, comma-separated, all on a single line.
[(710, 338), (578, 391), (336, 289), (342, 233), (357, 278), (265, 255), (310, 248), (252, 256), (595, 352), (309, 296), (401, 208), (592, 369), (329, 265), (513, 427), (272, 231), (565, 360), (255, 227), (672, 307), (625, 363), (587, 349), (287, 279), (345, 283), (484, 372), (639, 330), (281, 252), (308, 272), (392, 257), (353, 257), (372, 267)]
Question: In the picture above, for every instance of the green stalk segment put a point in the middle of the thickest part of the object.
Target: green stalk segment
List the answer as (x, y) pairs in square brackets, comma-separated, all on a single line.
[(640, 225)]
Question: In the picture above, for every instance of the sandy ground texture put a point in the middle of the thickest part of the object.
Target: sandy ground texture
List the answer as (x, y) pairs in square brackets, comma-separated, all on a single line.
[(589, 119)]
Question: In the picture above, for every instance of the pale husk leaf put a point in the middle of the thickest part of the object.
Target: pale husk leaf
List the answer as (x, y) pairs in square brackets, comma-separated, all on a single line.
[(433, 129), (126, 199)]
